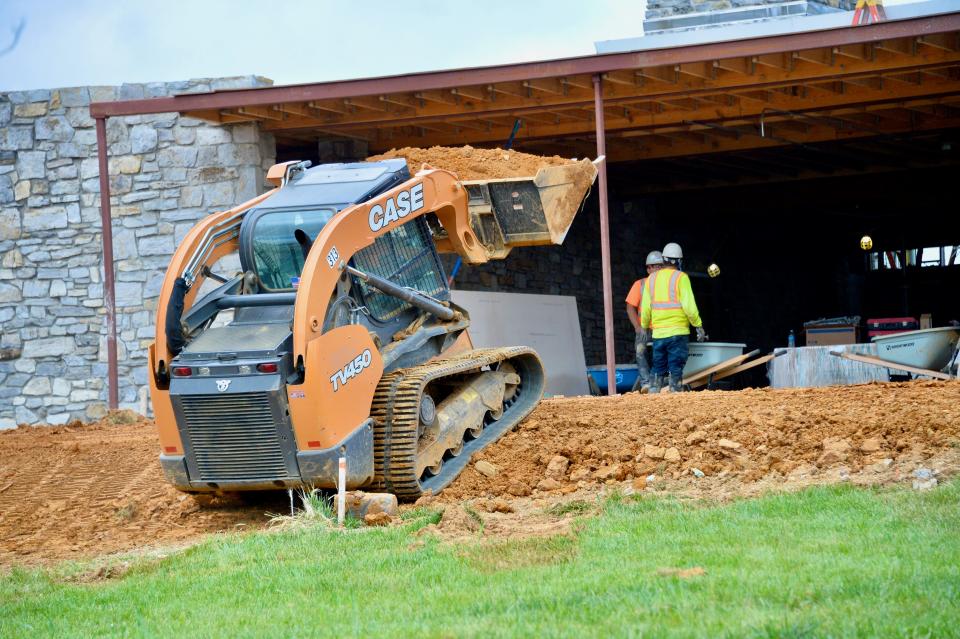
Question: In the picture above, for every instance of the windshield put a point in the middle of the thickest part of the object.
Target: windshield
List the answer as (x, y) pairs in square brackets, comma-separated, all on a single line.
[(277, 254)]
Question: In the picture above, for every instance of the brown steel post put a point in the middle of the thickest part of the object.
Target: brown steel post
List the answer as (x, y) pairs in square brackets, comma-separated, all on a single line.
[(109, 300), (605, 238)]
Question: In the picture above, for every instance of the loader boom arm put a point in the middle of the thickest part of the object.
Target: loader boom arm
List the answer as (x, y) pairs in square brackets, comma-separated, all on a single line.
[(430, 191)]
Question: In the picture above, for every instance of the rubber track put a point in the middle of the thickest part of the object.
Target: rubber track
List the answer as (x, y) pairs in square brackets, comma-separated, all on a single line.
[(395, 414)]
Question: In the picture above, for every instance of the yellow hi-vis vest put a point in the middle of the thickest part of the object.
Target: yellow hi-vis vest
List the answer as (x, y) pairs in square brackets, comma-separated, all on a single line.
[(667, 305)]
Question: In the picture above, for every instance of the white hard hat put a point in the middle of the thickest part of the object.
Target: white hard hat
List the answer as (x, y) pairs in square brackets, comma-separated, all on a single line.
[(672, 251), (654, 258)]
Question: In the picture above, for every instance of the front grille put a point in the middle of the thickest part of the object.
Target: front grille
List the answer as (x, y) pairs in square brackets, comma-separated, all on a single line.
[(233, 437)]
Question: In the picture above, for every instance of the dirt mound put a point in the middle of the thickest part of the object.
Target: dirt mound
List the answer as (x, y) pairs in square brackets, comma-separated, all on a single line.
[(473, 164), (74, 491), (96, 489), (575, 444)]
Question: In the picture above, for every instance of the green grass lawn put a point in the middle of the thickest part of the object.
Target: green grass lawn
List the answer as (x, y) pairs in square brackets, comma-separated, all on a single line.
[(836, 562)]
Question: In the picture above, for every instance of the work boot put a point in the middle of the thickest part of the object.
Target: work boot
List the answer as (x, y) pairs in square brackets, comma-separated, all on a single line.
[(676, 384), (656, 384), (641, 386)]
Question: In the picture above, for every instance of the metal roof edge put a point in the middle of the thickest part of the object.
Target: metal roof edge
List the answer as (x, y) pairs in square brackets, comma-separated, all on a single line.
[(592, 64), (772, 27)]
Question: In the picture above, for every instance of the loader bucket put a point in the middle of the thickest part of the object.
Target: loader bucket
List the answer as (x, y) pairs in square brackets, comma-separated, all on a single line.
[(528, 211)]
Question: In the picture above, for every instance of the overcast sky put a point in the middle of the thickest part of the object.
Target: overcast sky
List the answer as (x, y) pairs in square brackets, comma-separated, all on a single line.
[(87, 42)]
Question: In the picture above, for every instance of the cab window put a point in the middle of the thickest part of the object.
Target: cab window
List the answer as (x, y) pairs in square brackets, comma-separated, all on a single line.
[(278, 257)]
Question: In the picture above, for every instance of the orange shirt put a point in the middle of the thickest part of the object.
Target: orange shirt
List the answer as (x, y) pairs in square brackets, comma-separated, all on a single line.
[(636, 293)]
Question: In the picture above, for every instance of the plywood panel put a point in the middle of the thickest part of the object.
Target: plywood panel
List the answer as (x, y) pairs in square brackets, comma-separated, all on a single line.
[(547, 323)]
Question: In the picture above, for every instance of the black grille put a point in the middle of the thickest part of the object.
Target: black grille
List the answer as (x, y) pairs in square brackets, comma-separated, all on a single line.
[(233, 437)]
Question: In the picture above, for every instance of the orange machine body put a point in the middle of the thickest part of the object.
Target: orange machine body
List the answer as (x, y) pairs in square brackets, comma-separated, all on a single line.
[(319, 420)]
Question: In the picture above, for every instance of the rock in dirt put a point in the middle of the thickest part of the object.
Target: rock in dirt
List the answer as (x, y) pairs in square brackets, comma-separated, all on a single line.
[(729, 444), (880, 466), (455, 520), (548, 484), (557, 468), (835, 451), (696, 472), (613, 471), (377, 519), (696, 437), (672, 454), (871, 445), (425, 499), (495, 506), (518, 489), (654, 452), (485, 468), (360, 504), (579, 474), (924, 479)]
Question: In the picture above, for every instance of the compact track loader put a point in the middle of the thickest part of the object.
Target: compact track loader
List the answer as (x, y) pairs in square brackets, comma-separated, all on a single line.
[(338, 338)]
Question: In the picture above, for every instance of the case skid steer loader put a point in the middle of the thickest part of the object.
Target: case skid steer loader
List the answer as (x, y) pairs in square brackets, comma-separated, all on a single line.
[(343, 341)]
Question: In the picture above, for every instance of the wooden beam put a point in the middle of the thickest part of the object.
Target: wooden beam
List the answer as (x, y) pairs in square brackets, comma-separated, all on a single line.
[(733, 371), (900, 46), (443, 105), (514, 89), (444, 96), (402, 100), (370, 104), (730, 363), (781, 61), (743, 66), (624, 78), (863, 51), (703, 70), (876, 361), (552, 86), (664, 74), (822, 56), (677, 112), (297, 109), (479, 94), (943, 41), (332, 107), (265, 113), (874, 82)]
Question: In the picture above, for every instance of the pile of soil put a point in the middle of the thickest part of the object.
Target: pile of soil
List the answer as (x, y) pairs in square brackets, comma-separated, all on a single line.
[(760, 436), (469, 163), (96, 489), (85, 490)]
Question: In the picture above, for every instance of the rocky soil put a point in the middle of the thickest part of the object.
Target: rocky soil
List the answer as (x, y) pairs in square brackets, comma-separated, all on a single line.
[(85, 490)]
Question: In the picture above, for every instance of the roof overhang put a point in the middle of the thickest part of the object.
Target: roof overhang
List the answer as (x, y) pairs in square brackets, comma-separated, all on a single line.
[(894, 76)]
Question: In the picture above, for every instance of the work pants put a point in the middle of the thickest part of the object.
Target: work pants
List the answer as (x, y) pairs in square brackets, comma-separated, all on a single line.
[(643, 369), (670, 355)]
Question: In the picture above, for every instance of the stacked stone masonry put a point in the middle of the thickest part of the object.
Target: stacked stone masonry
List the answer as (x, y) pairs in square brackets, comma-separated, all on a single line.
[(166, 172)]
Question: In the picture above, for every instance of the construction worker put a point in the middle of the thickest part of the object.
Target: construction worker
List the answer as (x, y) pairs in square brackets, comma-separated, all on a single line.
[(668, 307), (640, 341)]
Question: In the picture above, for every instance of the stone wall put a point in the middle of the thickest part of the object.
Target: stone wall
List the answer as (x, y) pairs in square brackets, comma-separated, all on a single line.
[(166, 172)]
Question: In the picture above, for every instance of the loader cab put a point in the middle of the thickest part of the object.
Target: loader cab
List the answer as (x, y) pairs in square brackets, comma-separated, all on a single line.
[(276, 237)]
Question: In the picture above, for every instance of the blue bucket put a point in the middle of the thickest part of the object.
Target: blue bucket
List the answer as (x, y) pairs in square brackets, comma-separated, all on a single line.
[(626, 377)]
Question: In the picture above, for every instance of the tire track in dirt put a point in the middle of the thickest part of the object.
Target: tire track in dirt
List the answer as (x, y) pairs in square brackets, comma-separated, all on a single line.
[(96, 489)]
